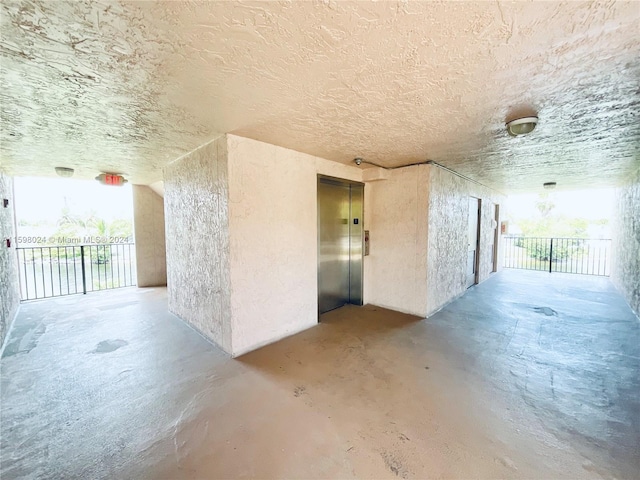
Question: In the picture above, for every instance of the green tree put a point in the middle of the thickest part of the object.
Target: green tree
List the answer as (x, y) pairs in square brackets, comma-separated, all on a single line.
[(545, 205), (546, 223), (73, 225)]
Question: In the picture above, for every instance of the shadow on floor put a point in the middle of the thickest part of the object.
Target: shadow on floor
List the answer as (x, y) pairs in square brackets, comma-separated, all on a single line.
[(349, 344), (338, 332)]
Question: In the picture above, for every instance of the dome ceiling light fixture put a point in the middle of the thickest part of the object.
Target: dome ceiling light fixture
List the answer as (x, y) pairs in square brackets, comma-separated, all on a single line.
[(65, 172), (521, 126), (549, 185)]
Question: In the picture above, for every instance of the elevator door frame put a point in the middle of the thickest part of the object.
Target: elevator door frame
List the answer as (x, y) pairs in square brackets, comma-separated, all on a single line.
[(474, 212), (356, 279), (496, 237)]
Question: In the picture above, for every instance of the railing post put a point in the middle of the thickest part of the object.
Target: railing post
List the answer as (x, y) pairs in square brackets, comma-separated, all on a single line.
[(551, 256), (84, 276)]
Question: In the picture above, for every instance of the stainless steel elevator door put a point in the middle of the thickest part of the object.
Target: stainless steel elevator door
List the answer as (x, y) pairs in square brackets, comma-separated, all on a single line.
[(339, 244)]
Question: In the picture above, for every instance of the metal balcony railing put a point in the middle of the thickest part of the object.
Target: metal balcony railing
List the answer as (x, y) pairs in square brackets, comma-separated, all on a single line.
[(70, 269), (586, 256)]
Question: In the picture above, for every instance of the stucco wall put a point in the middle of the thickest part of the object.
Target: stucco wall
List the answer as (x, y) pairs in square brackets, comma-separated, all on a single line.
[(448, 227), (243, 269), (396, 273), (197, 240), (273, 239), (625, 272), (9, 280), (148, 221)]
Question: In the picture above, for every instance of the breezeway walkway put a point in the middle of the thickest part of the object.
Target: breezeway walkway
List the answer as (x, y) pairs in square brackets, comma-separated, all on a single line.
[(527, 375)]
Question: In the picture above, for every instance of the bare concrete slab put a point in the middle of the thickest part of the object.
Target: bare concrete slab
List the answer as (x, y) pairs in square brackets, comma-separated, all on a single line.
[(528, 375)]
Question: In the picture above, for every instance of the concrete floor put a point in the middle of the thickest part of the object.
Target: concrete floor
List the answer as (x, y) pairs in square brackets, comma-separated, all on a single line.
[(529, 375)]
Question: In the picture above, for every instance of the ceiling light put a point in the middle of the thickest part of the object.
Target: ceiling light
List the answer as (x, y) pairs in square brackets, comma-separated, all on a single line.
[(522, 126), (549, 185), (64, 172)]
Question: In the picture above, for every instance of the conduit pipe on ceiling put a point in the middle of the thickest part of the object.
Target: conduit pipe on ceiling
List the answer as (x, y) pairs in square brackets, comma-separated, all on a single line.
[(359, 161)]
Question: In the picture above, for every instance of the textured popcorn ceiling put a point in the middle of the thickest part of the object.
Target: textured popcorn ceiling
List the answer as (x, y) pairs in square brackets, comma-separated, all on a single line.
[(129, 86)]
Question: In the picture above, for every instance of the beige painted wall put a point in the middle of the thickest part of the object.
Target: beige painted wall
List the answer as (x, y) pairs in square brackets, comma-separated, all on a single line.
[(10, 282), (448, 226), (149, 234), (396, 268), (197, 241), (418, 219), (250, 210), (273, 239), (625, 271)]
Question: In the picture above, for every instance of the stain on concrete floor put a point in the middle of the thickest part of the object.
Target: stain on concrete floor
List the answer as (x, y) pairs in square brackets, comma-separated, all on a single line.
[(507, 393), (24, 337), (549, 312), (107, 346), (395, 465)]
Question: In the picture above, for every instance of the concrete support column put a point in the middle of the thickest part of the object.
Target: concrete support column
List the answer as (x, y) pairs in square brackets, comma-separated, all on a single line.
[(196, 206), (397, 219), (10, 283), (149, 234), (244, 269), (625, 271), (448, 227)]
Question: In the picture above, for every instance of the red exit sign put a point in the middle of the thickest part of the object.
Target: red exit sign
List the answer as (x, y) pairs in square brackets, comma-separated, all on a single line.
[(111, 179)]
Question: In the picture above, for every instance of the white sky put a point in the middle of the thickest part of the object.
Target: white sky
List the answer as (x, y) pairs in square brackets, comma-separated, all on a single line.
[(589, 204), (38, 198)]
